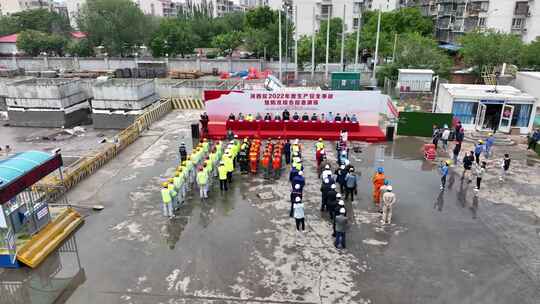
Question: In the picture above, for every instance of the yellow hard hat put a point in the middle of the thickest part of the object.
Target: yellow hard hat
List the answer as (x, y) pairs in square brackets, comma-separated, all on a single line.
[(177, 173), (184, 162), (171, 180), (320, 139), (447, 162), (164, 184)]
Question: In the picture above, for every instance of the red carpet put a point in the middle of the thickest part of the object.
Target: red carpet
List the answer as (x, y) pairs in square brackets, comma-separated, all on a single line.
[(217, 130)]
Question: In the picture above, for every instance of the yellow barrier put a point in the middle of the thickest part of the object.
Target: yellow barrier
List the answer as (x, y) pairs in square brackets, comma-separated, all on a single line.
[(49, 238), (188, 103), (88, 164)]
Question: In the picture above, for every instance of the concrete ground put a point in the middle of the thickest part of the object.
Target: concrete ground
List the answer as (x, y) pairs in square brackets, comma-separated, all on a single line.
[(443, 247)]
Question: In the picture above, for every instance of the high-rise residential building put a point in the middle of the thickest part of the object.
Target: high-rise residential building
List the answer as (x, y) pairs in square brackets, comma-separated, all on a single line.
[(312, 12), (453, 18), (13, 6)]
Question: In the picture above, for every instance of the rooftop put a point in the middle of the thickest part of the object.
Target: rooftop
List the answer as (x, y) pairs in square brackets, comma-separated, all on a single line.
[(486, 92), (416, 71), (530, 74)]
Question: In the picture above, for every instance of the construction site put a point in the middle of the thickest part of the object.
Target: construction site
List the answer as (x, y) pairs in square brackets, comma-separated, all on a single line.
[(103, 237)]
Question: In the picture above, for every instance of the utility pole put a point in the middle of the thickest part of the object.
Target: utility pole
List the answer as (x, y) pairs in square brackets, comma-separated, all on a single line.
[(343, 39), (394, 51), (279, 29), (296, 42), (327, 42), (357, 37), (286, 43), (313, 48), (374, 79)]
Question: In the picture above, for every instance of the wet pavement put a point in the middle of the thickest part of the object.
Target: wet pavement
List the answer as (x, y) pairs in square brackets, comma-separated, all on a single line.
[(443, 247)]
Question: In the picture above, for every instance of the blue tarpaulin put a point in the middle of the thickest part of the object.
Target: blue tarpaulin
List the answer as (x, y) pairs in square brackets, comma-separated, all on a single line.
[(450, 47), (22, 170)]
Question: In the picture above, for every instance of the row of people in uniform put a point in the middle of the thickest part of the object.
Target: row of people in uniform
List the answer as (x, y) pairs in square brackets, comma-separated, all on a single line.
[(295, 117), (206, 162)]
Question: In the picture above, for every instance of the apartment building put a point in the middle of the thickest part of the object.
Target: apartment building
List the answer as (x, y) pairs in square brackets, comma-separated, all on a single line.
[(453, 18), (8, 7)]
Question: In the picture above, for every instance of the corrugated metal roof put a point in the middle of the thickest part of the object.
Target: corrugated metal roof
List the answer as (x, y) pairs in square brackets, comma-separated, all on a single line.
[(9, 39), (20, 164)]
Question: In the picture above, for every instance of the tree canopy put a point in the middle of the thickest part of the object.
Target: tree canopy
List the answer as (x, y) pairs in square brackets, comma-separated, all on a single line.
[(415, 51), (118, 25), (35, 42), (530, 56), (480, 49)]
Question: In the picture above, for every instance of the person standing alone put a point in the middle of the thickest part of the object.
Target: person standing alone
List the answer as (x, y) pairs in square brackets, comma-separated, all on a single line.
[(341, 227), (505, 166), (350, 184), (299, 214), (479, 172), (444, 173), (388, 201)]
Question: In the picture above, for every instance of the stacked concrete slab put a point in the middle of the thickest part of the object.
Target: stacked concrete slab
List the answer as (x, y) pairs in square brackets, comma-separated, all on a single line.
[(118, 102), (39, 102)]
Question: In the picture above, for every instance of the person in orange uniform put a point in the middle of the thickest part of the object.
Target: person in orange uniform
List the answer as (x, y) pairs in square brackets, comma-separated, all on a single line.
[(266, 164), (378, 182), (276, 164)]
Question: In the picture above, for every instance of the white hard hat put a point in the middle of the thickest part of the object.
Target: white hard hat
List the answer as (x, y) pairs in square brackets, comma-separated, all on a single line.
[(342, 210), (327, 167), (389, 188), (297, 186), (338, 195), (300, 172), (342, 167), (326, 180), (341, 203), (333, 186), (297, 199)]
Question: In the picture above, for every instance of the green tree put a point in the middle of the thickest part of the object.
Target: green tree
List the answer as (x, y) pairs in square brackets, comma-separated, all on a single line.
[(42, 20), (35, 42), (260, 18), (481, 49), (227, 42), (415, 51), (80, 48), (407, 20), (173, 37), (119, 25), (530, 56), (8, 25)]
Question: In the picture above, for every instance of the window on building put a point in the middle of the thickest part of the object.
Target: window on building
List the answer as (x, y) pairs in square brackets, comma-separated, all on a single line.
[(355, 23), (465, 111), (522, 8), (517, 23), (482, 22), (326, 9), (522, 115), (484, 6)]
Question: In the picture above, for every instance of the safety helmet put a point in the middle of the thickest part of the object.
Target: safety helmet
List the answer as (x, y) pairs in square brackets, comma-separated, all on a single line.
[(205, 139), (177, 173), (297, 199), (320, 139), (297, 186), (221, 163), (164, 184), (386, 182), (342, 166), (327, 167), (490, 134), (389, 188), (480, 141), (447, 162), (380, 170), (170, 180), (351, 169), (341, 203), (300, 173), (184, 162), (235, 136), (333, 186), (342, 210), (338, 195)]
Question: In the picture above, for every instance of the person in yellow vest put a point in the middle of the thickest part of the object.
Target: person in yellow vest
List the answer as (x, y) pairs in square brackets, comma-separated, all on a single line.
[(222, 174), (319, 145), (205, 145), (202, 182), (174, 194), (182, 176), (166, 198), (249, 117), (177, 188), (208, 169), (227, 159)]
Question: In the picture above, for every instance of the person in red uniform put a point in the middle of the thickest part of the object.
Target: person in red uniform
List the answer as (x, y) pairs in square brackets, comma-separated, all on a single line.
[(276, 164)]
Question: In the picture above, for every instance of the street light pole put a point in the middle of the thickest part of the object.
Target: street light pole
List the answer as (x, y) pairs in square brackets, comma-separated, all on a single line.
[(357, 37), (313, 48), (327, 43), (377, 47), (296, 42), (279, 30), (343, 39)]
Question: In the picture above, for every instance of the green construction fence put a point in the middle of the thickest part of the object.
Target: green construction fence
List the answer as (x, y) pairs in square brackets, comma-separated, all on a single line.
[(421, 123)]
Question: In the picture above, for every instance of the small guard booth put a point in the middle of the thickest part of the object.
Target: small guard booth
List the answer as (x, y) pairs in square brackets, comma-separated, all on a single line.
[(29, 230)]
